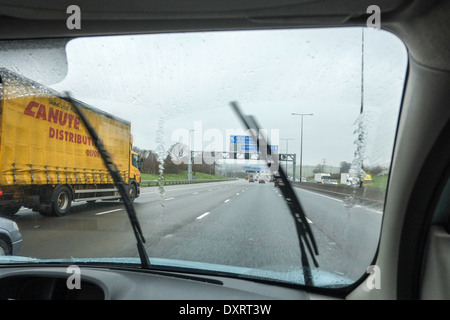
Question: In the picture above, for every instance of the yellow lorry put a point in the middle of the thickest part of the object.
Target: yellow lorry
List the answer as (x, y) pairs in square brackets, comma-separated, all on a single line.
[(48, 158)]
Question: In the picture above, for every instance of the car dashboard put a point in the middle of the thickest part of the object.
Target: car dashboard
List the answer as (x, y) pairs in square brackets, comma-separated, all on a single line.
[(101, 283)]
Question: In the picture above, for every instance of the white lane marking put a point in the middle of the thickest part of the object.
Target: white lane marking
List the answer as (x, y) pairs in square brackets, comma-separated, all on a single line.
[(369, 209), (202, 216), (237, 193), (342, 201), (195, 192), (309, 221), (227, 200), (105, 212), (169, 199)]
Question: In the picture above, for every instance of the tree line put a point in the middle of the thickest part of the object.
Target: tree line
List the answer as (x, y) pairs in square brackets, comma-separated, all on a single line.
[(174, 161), (344, 167)]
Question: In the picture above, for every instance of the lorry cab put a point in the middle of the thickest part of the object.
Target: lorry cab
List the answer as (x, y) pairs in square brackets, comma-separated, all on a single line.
[(68, 166), (135, 174)]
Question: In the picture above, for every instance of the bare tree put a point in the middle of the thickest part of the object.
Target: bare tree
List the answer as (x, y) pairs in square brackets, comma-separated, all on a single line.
[(344, 167), (149, 159), (318, 168)]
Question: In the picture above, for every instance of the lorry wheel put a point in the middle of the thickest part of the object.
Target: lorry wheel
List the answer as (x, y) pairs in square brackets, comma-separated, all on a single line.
[(132, 192), (10, 210), (61, 201)]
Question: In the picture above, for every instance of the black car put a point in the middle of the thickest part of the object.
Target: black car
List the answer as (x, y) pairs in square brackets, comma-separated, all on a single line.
[(277, 181)]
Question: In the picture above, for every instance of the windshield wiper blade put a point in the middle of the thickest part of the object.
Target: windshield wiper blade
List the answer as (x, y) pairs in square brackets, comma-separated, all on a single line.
[(304, 232), (117, 178)]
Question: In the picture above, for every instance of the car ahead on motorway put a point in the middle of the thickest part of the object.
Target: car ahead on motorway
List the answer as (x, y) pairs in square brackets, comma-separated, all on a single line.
[(10, 237), (277, 181), (380, 72), (262, 181)]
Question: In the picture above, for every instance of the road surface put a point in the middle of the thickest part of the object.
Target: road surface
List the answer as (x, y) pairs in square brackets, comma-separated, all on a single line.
[(232, 223)]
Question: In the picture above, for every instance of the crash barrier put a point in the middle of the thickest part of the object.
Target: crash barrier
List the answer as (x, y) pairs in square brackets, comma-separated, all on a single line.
[(364, 193), (149, 183)]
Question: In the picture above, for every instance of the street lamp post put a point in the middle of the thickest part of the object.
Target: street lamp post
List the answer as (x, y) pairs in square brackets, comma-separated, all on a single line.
[(190, 158), (301, 139)]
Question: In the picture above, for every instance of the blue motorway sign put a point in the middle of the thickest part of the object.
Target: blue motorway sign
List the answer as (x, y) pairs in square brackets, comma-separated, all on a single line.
[(246, 143), (240, 139)]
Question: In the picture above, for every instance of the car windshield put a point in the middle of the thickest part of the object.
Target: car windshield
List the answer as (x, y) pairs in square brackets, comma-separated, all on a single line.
[(326, 102)]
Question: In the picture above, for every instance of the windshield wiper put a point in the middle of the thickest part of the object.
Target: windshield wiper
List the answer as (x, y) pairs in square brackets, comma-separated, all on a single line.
[(118, 181), (304, 232)]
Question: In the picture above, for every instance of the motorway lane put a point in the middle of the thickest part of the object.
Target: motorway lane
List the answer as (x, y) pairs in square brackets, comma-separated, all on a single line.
[(252, 229), (347, 235), (233, 223), (80, 234), (102, 229), (162, 215), (257, 230)]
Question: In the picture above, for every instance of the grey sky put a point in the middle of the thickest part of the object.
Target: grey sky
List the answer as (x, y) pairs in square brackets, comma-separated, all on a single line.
[(187, 79)]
